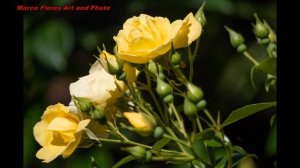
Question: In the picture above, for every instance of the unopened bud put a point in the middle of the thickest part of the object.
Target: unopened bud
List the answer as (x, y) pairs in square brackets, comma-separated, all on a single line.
[(156, 69), (168, 99), (241, 48), (201, 105), (162, 88), (175, 59), (189, 108), (84, 104), (158, 132), (260, 30), (236, 39), (272, 34), (138, 152), (114, 66), (264, 41), (98, 114), (143, 124), (200, 17), (194, 93)]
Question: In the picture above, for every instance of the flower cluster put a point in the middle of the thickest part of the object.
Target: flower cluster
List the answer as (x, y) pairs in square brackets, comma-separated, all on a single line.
[(112, 97)]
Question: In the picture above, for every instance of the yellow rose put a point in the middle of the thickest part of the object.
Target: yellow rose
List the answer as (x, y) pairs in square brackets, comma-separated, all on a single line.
[(59, 132), (187, 31), (99, 86), (143, 38), (142, 123)]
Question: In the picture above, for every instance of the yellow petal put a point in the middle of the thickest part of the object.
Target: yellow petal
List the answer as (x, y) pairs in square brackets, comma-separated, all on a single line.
[(82, 124), (175, 27), (131, 72), (160, 50), (62, 124), (50, 152), (99, 87), (181, 38), (142, 44), (72, 146), (195, 28), (133, 58), (136, 119), (41, 134), (58, 110)]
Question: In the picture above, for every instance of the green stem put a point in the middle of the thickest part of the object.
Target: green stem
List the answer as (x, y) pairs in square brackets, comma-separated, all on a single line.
[(176, 140), (247, 55), (172, 158), (210, 117), (191, 60), (138, 144), (181, 124), (153, 95), (199, 123), (174, 135), (196, 48)]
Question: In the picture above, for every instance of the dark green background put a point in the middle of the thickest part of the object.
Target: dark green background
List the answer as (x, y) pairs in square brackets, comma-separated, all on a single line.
[(59, 46)]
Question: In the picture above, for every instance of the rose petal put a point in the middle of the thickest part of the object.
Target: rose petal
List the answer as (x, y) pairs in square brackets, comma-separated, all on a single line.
[(50, 152), (41, 134), (72, 146), (62, 124), (195, 28), (82, 124)]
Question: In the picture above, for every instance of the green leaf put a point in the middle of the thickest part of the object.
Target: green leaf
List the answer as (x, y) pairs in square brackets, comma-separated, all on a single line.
[(252, 76), (219, 153), (200, 150), (160, 144), (213, 143), (239, 150), (268, 66), (124, 161), (222, 162), (198, 164), (91, 135), (270, 82), (246, 111), (205, 134)]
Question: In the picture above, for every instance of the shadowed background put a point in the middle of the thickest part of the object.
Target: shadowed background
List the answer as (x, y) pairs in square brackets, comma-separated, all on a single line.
[(59, 46)]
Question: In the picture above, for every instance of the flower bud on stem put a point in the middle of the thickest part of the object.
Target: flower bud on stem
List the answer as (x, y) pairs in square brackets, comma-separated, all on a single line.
[(237, 40), (84, 104), (200, 17)]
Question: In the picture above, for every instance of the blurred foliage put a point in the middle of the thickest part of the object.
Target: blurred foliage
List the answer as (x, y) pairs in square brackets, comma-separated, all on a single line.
[(58, 48)]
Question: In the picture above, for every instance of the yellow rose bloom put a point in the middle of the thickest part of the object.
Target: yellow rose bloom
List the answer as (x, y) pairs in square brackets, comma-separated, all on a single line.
[(187, 31), (142, 123), (99, 86), (59, 132), (143, 38)]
